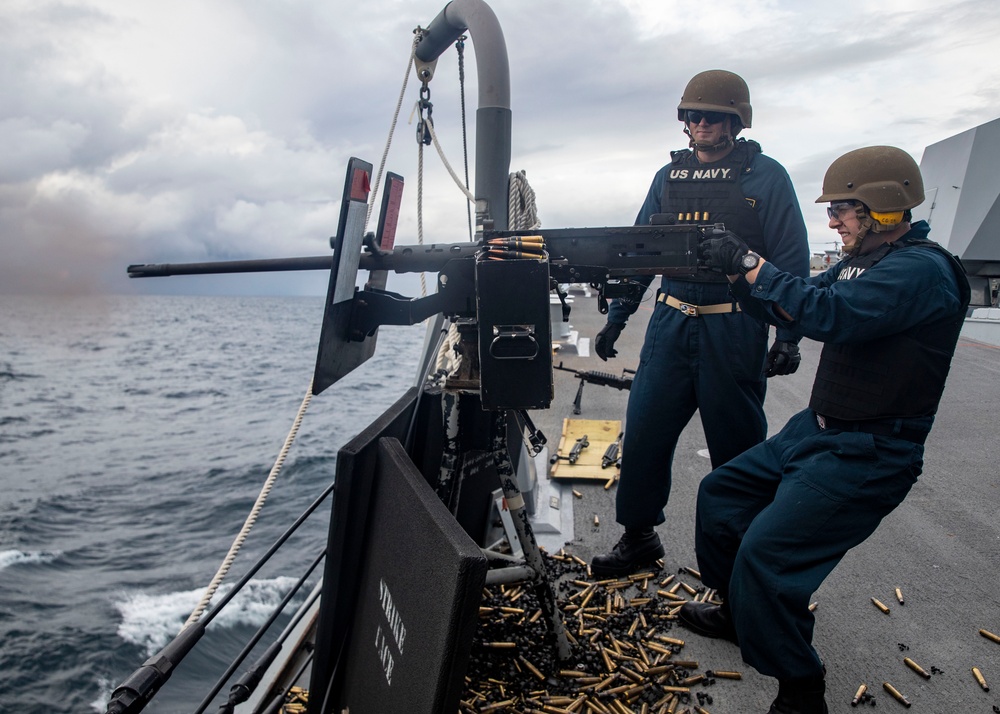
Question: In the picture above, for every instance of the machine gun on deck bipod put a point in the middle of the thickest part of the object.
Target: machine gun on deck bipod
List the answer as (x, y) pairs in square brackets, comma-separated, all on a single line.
[(594, 377)]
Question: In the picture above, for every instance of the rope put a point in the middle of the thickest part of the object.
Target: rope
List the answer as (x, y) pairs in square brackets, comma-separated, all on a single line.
[(448, 359), (392, 128), (252, 517), (522, 212), (420, 210), (444, 160)]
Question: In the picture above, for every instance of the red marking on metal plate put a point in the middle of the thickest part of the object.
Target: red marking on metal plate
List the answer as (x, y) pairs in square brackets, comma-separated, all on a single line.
[(360, 186), (392, 214)]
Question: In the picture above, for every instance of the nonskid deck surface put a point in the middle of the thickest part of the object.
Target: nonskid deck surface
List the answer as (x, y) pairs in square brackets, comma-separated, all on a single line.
[(940, 547)]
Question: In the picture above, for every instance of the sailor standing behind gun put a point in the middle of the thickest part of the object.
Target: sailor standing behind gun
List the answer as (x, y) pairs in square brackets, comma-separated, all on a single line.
[(701, 352), (776, 520)]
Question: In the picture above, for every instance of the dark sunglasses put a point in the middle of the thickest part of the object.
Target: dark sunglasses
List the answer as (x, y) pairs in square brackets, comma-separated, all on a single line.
[(695, 117), (841, 210)]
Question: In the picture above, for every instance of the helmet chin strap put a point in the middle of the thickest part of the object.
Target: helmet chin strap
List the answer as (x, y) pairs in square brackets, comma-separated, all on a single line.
[(868, 224), (726, 141), (862, 233)]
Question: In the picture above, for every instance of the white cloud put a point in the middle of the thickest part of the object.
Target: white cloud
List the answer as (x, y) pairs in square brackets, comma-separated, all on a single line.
[(136, 132)]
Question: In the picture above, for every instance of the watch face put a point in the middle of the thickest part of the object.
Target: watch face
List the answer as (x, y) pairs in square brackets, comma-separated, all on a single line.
[(750, 261)]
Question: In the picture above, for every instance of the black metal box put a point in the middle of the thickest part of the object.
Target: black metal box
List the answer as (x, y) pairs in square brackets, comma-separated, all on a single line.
[(515, 335)]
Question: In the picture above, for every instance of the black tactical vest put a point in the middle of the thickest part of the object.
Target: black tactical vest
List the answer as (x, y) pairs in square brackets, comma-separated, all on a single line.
[(896, 376), (713, 193)]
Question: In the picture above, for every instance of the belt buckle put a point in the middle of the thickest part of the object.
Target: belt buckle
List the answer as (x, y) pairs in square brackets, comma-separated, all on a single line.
[(689, 310), (821, 421)]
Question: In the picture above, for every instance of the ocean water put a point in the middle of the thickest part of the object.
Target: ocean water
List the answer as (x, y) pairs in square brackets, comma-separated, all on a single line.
[(135, 434)]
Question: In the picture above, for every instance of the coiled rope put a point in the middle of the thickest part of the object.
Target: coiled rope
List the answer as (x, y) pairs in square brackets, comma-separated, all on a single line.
[(522, 211)]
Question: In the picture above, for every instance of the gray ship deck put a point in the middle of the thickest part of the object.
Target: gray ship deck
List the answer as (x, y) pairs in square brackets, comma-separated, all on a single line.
[(941, 547)]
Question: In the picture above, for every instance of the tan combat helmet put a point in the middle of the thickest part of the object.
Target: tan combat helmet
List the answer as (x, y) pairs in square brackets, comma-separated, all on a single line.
[(886, 180), (717, 90)]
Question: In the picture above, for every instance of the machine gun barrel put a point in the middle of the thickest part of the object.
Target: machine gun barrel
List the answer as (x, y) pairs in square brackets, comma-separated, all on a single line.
[(402, 259), (272, 265), (575, 255)]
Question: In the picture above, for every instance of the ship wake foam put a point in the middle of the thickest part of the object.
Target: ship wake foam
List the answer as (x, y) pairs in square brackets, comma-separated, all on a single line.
[(150, 621)]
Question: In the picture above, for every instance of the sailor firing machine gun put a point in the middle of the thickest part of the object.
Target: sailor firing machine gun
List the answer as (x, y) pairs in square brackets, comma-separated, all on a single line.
[(496, 291)]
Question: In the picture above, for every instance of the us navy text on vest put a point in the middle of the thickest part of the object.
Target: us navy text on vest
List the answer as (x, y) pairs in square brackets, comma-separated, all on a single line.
[(701, 174)]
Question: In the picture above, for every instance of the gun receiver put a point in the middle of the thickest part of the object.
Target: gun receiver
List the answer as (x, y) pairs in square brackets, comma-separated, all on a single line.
[(612, 455), (605, 378), (574, 453)]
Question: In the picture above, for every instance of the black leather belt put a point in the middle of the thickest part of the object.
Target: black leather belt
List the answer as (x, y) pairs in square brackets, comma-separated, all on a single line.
[(881, 428)]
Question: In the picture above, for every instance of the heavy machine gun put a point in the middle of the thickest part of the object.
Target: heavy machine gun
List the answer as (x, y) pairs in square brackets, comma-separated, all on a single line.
[(500, 301)]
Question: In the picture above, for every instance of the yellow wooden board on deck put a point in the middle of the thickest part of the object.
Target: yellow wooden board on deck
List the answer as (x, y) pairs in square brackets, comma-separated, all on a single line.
[(601, 433)]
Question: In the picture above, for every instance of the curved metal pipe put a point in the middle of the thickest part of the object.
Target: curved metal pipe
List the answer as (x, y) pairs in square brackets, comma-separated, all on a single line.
[(493, 116), (493, 68)]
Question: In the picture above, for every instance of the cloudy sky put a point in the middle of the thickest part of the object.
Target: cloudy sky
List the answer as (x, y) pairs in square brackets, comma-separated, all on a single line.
[(134, 131)]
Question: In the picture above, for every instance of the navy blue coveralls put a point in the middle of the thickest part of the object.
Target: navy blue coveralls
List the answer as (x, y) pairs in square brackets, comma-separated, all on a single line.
[(774, 522), (711, 363)]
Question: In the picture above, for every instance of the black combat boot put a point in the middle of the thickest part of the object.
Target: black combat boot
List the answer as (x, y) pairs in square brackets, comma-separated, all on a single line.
[(637, 548), (800, 696), (709, 620)]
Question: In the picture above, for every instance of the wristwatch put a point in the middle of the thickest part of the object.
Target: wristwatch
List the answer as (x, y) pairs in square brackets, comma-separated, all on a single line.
[(748, 262)]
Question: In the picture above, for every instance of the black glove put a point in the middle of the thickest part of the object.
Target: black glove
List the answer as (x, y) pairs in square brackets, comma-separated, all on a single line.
[(783, 358), (604, 343), (722, 252)]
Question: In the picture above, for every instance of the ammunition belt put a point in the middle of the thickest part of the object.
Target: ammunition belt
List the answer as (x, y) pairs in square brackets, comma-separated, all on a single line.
[(697, 310)]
